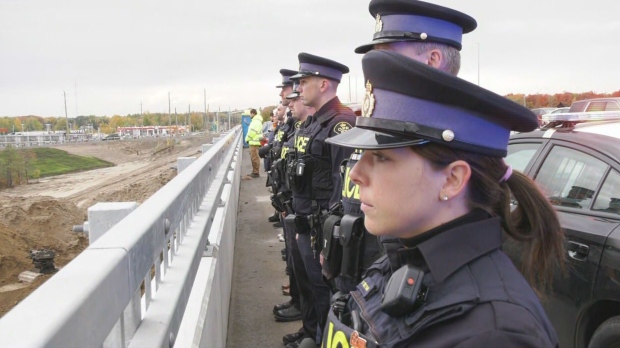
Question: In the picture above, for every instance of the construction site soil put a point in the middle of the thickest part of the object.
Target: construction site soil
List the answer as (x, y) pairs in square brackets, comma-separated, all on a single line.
[(42, 214)]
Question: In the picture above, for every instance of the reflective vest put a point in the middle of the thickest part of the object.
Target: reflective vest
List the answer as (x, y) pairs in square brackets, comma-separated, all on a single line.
[(255, 131)]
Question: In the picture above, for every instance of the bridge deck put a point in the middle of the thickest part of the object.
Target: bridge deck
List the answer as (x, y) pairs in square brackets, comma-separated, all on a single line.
[(258, 270)]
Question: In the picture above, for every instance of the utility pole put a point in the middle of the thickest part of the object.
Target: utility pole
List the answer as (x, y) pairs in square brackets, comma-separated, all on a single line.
[(76, 109), (349, 88), (205, 121), (169, 115), (189, 117), (176, 120), (66, 117), (478, 63)]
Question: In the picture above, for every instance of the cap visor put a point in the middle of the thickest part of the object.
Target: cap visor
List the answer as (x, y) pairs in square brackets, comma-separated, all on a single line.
[(365, 139), (369, 46), (298, 76), (292, 95)]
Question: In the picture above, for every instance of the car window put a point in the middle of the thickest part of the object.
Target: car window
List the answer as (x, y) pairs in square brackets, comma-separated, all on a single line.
[(569, 177), (608, 200), (612, 106), (519, 155), (597, 106)]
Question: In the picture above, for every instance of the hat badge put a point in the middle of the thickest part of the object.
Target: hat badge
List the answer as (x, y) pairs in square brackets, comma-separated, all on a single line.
[(378, 24), (369, 101)]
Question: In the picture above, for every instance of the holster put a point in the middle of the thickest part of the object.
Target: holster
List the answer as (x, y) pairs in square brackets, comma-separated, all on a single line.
[(351, 239), (290, 223), (281, 201), (332, 250), (277, 203)]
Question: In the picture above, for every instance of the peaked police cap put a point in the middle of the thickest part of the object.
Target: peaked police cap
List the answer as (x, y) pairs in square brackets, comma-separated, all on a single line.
[(412, 20), (295, 93), (286, 77), (408, 103), (311, 65)]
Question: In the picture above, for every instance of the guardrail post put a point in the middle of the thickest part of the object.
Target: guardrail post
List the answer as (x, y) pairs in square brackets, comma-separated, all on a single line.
[(206, 147), (184, 162), (103, 216)]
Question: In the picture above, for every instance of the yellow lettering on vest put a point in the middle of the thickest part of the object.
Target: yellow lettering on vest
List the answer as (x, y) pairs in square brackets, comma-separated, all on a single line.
[(365, 286), (347, 190), (330, 332), (301, 143), (284, 152), (340, 338)]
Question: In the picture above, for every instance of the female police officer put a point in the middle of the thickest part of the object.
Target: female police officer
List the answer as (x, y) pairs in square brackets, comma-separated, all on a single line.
[(432, 174)]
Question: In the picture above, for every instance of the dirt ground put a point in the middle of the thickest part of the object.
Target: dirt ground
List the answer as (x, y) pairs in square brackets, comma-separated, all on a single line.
[(42, 214)]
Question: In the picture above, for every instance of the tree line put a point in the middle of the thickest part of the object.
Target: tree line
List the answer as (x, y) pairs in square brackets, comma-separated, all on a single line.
[(201, 121), (533, 101)]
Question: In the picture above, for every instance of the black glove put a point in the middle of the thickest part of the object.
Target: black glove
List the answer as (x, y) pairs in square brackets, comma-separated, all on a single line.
[(264, 151)]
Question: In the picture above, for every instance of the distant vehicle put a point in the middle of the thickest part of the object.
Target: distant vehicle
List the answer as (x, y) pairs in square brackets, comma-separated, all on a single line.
[(112, 136), (541, 111), (560, 110), (597, 104)]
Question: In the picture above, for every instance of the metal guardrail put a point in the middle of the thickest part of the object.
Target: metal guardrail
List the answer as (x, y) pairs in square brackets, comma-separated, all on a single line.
[(131, 287)]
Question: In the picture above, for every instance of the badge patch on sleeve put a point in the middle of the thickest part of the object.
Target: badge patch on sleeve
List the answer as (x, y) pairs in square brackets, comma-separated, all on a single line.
[(342, 127), (366, 287)]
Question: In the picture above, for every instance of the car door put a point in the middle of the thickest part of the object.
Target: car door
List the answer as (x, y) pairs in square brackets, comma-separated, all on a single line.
[(570, 176)]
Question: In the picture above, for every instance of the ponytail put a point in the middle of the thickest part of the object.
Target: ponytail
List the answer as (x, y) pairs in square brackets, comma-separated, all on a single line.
[(533, 226)]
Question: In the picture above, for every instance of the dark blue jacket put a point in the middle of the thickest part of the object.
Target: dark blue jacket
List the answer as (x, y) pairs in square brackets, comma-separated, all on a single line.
[(475, 297)]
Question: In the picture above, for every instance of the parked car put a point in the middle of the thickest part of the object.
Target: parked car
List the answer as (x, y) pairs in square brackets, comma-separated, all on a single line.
[(596, 105), (559, 110), (541, 111), (577, 166), (112, 136)]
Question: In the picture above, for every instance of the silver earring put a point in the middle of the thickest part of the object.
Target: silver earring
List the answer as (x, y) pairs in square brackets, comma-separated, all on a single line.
[(444, 198)]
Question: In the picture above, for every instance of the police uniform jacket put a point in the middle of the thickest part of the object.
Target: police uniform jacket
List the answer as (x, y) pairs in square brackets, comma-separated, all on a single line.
[(475, 296), (321, 180), (360, 251), (287, 145)]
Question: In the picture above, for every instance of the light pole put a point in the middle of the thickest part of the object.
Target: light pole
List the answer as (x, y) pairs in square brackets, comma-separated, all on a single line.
[(478, 63)]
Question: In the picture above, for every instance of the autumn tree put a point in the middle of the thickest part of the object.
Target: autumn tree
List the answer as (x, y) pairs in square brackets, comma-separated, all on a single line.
[(266, 112)]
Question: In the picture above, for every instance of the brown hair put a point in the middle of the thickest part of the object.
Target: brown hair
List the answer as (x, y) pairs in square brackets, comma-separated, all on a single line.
[(533, 225)]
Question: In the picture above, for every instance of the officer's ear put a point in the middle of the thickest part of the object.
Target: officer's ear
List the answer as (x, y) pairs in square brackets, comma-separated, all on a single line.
[(457, 175), (324, 85), (435, 58)]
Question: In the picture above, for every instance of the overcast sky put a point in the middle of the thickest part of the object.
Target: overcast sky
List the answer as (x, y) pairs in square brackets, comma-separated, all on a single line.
[(123, 53)]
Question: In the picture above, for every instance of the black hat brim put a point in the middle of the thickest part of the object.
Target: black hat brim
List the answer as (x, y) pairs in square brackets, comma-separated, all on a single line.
[(284, 85), (369, 46), (366, 139), (363, 49)]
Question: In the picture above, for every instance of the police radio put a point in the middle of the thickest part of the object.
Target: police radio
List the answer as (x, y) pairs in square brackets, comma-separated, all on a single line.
[(404, 292)]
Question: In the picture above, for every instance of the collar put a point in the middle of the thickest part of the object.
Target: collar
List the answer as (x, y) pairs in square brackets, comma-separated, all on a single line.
[(449, 247), (329, 110)]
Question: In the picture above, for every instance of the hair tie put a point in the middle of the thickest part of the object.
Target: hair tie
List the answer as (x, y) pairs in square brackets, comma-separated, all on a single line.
[(506, 175)]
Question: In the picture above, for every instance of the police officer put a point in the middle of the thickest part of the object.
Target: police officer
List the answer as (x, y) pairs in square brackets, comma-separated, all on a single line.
[(299, 115), (286, 87), (428, 33), (315, 169), (282, 200), (432, 175)]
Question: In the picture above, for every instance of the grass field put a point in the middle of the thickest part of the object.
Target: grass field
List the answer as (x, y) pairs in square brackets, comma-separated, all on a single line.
[(55, 162)]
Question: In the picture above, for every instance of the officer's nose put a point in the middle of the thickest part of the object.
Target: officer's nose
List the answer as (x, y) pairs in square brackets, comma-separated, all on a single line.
[(357, 172)]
